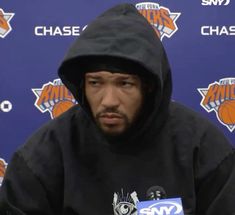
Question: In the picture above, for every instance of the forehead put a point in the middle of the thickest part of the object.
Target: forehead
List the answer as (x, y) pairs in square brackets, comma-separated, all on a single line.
[(110, 75)]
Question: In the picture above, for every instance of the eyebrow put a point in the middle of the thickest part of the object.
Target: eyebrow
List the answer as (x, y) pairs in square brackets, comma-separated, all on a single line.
[(93, 76), (125, 76), (128, 77)]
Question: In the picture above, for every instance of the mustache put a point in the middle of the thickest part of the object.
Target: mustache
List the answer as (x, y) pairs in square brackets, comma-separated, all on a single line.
[(109, 111)]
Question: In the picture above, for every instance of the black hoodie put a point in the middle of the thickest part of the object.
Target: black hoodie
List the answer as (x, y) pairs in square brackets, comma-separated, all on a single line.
[(69, 167)]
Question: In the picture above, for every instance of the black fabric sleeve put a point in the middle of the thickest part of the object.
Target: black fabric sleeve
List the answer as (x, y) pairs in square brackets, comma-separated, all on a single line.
[(215, 175), (216, 194), (21, 192)]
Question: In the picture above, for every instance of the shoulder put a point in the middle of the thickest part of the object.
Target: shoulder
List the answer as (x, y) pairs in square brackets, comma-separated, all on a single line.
[(46, 145), (210, 146), (58, 128), (189, 119), (181, 113), (182, 117)]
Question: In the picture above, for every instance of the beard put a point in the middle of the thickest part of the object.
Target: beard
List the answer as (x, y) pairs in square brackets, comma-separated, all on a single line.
[(112, 130)]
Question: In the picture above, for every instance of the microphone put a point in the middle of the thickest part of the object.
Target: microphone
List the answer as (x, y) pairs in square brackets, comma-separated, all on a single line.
[(156, 193), (158, 204)]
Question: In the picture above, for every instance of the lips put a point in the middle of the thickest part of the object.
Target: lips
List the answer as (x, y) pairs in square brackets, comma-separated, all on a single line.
[(111, 118)]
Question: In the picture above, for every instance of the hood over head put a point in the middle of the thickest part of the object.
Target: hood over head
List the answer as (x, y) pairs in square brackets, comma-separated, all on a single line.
[(121, 40)]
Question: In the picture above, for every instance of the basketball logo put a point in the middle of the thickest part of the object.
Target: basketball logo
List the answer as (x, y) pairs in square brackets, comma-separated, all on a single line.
[(3, 166), (227, 112), (5, 26), (220, 98), (54, 98), (161, 18), (61, 107)]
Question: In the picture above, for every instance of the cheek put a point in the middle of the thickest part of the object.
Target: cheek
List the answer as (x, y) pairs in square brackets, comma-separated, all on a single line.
[(133, 105), (92, 102)]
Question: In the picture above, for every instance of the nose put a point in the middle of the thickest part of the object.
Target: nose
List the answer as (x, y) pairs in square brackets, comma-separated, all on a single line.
[(110, 98)]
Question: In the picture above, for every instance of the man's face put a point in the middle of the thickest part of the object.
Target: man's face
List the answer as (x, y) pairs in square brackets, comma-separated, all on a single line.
[(115, 99)]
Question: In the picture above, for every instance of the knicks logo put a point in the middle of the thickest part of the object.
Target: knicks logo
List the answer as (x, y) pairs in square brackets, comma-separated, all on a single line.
[(3, 166), (161, 18), (220, 97), (5, 26), (54, 98)]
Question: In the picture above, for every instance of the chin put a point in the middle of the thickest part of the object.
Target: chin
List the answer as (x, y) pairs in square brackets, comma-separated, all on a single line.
[(112, 132)]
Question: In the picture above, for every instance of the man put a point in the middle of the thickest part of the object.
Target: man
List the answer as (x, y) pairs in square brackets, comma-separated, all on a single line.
[(127, 137)]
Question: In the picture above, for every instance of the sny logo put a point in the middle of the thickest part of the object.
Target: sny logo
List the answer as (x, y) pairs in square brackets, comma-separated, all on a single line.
[(215, 2), (161, 18), (5, 26), (220, 97), (54, 98), (161, 207)]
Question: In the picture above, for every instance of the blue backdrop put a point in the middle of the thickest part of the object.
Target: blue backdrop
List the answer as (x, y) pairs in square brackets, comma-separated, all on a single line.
[(199, 37)]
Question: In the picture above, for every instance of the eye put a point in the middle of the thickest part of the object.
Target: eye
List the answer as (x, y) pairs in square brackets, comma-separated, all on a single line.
[(127, 84), (94, 83)]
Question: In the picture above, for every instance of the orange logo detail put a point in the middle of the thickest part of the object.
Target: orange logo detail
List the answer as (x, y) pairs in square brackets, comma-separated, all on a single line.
[(220, 97), (5, 26), (161, 18), (3, 166), (53, 97)]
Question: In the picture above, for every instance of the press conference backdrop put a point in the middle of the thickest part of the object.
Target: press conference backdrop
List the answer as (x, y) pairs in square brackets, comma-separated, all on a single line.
[(199, 37)]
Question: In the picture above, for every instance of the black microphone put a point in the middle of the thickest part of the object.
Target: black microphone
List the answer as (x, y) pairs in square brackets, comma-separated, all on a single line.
[(156, 193), (159, 204)]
